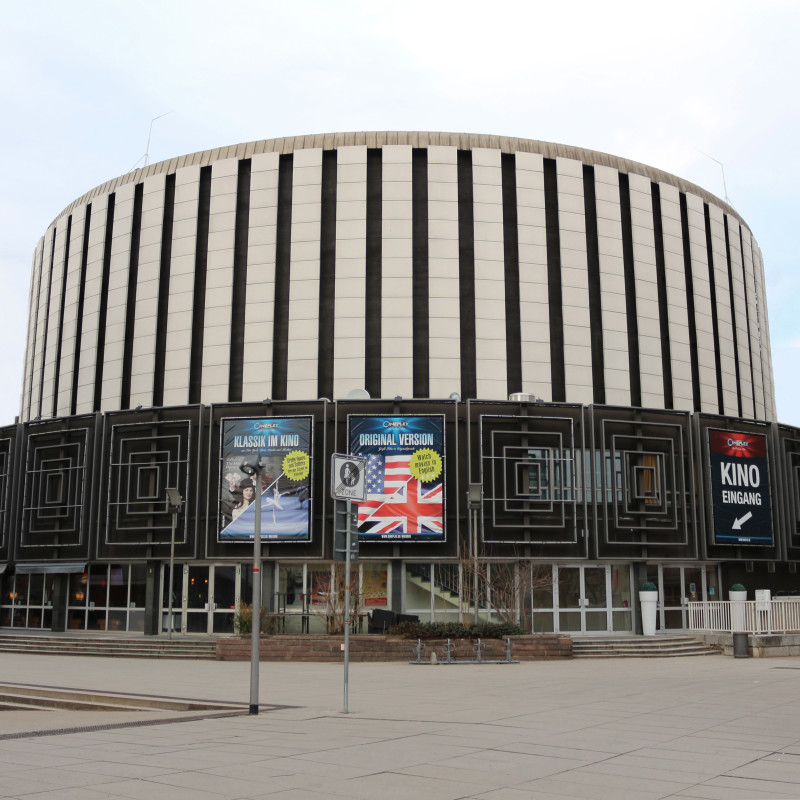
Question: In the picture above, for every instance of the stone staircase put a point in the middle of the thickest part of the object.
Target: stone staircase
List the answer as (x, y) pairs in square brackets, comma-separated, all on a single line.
[(663, 646), (104, 645), (22, 697)]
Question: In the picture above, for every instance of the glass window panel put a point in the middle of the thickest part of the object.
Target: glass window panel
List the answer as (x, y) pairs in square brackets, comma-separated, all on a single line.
[(177, 585), (96, 620), (77, 588), (76, 619), (712, 583), (594, 579), (543, 622), (418, 587), (445, 588), (117, 620), (569, 592), (225, 588), (596, 621), (569, 621), (622, 621), (197, 591), (376, 585), (98, 586), (118, 586), (290, 588), (693, 585), (320, 584), (136, 619), (20, 594), (138, 580), (36, 589), (223, 623), (197, 623), (672, 586), (621, 586), (47, 597)]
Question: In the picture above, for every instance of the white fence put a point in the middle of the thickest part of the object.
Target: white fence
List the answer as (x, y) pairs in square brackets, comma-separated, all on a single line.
[(745, 616)]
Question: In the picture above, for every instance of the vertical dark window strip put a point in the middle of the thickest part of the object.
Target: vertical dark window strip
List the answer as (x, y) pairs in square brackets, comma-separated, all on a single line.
[(466, 274), (130, 302), (712, 285), (99, 361), (630, 290), (595, 294), (199, 289), (420, 273), (747, 321), (33, 334), (327, 275), (733, 315), (76, 364), (283, 255), (163, 291), (239, 291), (508, 170), (47, 318), (59, 340), (372, 323), (687, 268), (557, 372), (663, 302)]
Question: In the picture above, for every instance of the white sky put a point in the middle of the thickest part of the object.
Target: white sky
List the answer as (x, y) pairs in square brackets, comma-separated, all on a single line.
[(658, 83)]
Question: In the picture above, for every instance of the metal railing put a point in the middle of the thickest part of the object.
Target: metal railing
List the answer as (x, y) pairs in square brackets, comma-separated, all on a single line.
[(780, 615)]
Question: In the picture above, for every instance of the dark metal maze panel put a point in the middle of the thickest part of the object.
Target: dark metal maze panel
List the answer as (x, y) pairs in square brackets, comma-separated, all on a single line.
[(145, 460), (54, 499), (642, 477), (532, 481)]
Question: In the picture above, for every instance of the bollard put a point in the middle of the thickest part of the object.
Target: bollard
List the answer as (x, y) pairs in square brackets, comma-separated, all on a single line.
[(448, 653), (740, 646), (508, 649)]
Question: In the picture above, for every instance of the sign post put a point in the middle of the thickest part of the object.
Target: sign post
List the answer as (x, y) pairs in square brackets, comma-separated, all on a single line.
[(347, 483), (740, 488)]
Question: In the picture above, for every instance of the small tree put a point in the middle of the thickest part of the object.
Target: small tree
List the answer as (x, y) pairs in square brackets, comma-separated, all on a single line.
[(333, 607), (502, 586)]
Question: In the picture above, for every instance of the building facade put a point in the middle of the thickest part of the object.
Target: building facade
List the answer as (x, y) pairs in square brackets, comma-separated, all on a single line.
[(563, 355)]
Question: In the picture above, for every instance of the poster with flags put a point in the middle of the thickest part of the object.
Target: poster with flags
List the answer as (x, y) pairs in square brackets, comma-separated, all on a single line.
[(404, 478), (284, 445)]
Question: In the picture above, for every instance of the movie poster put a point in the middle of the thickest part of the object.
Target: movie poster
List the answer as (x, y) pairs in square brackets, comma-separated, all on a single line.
[(405, 477), (284, 444)]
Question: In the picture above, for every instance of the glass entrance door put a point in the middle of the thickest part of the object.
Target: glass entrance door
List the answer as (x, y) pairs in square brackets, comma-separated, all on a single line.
[(677, 585), (592, 599), (204, 598)]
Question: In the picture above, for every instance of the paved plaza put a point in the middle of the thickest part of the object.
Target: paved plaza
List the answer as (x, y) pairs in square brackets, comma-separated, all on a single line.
[(713, 727)]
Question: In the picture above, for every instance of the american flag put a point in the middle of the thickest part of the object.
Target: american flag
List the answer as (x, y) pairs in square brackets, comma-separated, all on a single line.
[(396, 501)]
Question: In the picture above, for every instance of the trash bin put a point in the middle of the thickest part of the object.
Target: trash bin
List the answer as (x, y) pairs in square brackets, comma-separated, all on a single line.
[(740, 646)]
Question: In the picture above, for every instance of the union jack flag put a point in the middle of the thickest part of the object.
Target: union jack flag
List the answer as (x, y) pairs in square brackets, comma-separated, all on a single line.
[(396, 501)]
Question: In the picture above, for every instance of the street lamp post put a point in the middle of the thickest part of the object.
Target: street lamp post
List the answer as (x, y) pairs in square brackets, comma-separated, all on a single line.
[(174, 503), (252, 466)]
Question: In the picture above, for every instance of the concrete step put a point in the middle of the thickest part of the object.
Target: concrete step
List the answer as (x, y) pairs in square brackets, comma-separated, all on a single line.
[(38, 698), (668, 646), (132, 647)]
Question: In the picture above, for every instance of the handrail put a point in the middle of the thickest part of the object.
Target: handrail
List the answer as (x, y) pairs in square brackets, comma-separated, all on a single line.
[(780, 615)]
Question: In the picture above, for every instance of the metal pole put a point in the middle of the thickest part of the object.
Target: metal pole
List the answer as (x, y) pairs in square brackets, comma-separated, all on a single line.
[(172, 568), (256, 623), (347, 608), (475, 563)]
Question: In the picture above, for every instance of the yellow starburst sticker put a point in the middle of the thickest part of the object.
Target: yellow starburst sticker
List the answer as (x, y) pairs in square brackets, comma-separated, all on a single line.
[(425, 465), (296, 465)]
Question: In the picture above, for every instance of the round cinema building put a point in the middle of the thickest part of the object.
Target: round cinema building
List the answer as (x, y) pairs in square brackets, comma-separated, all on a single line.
[(551, 364)]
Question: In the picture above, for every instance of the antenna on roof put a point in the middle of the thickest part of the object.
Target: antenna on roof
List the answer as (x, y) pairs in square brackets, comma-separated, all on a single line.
[(722, 167), (146, 155)]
